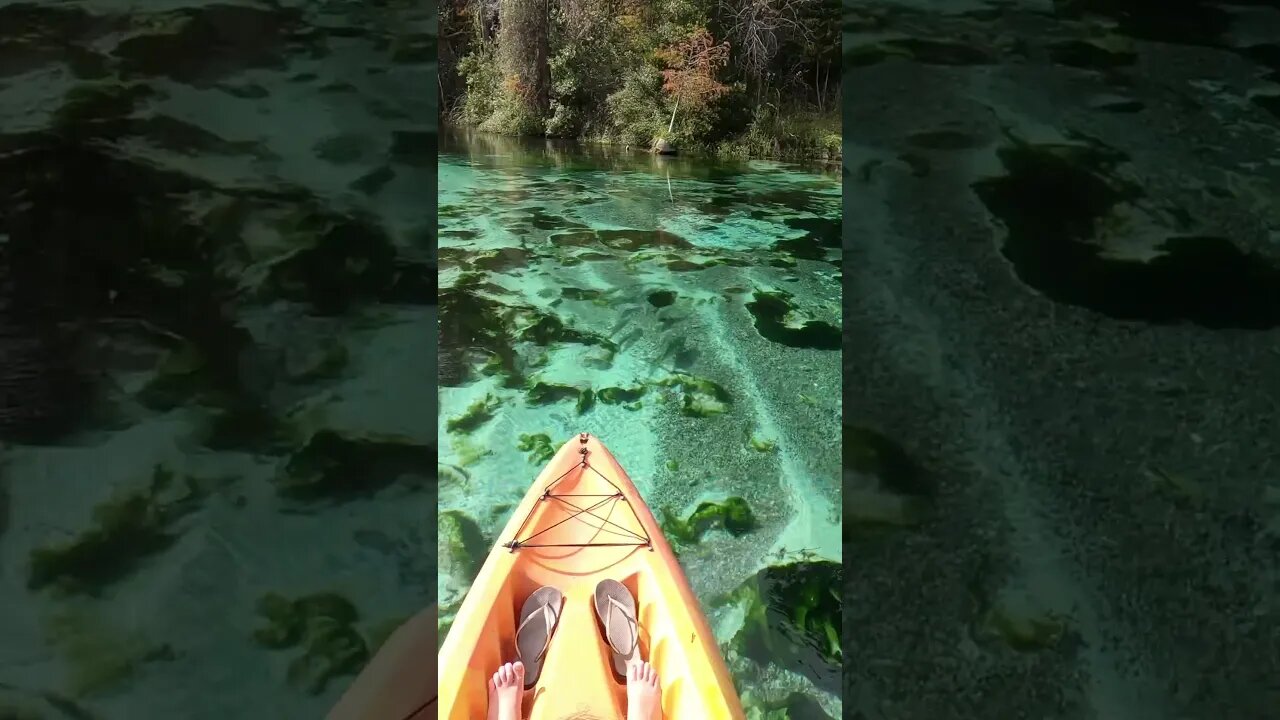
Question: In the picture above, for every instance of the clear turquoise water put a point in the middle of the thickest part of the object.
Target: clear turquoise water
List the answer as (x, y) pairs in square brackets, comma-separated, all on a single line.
[(685, 311)]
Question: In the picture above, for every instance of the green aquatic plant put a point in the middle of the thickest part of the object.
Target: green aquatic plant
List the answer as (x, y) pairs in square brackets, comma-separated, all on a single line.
[(338, 465), (99, 656), (317, 363), (792, 618), (676, 529), (699, 397), (468, 453), (128, 528), (340, 262), (544, 393), (97, 102), (323, 625), (24, 711), (477, 414), (548, 329), (538, 446), (618, 396), (1022, 631), (177, 377), (661, 298), (462, 546), (475, 321), (733, 514), (764, 446), (573, 293), (794, 706)]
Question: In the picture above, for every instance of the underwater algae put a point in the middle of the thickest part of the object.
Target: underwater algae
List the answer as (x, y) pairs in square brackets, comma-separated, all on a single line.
[(793, 619), (127, 529), (322, 626), (733, 514), (338, 465), (99, 656), (539, 448)]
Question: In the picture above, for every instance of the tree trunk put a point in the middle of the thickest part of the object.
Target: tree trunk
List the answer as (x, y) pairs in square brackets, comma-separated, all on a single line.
[(523, 52), (672, 124)]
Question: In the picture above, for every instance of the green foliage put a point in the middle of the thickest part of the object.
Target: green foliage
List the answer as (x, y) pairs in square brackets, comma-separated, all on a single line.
[(637, 107), (606, 65), (490, 103), (789, 133), (479, 70)]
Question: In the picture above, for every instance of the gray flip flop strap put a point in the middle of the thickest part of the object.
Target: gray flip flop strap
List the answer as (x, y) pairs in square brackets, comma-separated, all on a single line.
[(635, 627), (550, 617)]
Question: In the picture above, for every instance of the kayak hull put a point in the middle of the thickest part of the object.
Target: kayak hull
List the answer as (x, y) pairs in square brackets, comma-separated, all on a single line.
[(583, 521)]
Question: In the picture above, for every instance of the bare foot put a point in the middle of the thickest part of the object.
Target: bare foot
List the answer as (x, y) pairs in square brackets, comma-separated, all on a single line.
[(644, 693), (506, 689)]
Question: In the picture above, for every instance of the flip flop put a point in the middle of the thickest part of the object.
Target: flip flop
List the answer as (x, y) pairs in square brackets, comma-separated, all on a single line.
[(538, 620), (616, 609)]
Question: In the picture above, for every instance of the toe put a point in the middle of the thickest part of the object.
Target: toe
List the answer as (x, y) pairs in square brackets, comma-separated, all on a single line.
[(517, 671)]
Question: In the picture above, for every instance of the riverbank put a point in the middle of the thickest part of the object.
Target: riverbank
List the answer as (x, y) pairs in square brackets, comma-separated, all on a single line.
[(805, 137)]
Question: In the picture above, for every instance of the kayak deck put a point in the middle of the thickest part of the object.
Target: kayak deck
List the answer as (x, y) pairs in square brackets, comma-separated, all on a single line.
[(583, 521)]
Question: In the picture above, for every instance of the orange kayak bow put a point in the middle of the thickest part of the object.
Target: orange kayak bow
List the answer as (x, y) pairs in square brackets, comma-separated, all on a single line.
[(583, 521)]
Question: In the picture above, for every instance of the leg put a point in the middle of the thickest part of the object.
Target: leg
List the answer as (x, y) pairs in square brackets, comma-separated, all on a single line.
[(506, 690), (644, 693)]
